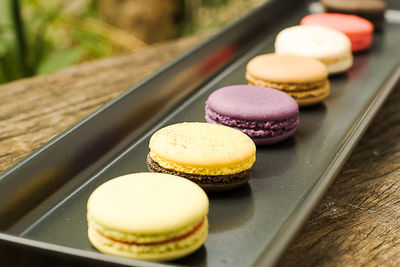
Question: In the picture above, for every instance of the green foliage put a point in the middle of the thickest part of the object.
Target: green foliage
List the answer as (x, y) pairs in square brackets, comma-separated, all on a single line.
[(22, 45), (42, 36), (51, 36), (59, 59), (210, 15), (7, 44), (213, 3)]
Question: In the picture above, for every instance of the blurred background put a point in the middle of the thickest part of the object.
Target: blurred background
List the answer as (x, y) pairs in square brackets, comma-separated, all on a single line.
[(41, 36)]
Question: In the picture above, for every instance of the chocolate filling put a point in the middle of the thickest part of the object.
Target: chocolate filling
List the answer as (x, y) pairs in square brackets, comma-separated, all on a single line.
[(201, 179)]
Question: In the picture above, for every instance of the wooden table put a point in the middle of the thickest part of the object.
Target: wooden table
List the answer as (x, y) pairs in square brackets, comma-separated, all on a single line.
[(356, 223)]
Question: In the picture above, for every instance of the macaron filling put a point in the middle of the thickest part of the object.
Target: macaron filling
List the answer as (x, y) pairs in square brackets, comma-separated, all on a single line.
[(329, 60), (359, 30), (170, 248), (296, 90), (153, 243), (202, 180), (254, 128), (138, 237), (292, 86), (233, 168), (373, 10), (361, 44)]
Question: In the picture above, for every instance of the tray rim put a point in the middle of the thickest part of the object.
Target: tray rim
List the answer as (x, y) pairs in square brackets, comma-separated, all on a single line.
[(304, 209)]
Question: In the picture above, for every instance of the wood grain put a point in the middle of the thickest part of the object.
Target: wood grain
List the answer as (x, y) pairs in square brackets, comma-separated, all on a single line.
[(33, 111)]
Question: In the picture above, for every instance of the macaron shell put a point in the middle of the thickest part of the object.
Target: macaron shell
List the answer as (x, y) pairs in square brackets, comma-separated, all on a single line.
[(356, 5), (372, 10), (361, 44), (303, 98), (203, 146), (207, 182), (313, 99), (358, 29), (273, 140), (303, 78), (350, 25), (261, 113), (225, 187), (164, 252), (313, 41), (285, 68), (147, 203), (340, 66), (267, 104)]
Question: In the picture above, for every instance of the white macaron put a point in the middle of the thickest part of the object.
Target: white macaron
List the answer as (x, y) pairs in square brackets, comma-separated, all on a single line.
[(331, 47)]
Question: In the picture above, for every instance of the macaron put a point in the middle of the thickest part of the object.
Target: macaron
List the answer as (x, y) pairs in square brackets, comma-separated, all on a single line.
[(372, 10), (266, 115), (330, 46), (359, 30), (215, 157), (303, 78), (148, 216)]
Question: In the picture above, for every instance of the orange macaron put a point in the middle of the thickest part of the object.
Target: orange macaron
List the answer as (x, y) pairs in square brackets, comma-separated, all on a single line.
[(359, 30)]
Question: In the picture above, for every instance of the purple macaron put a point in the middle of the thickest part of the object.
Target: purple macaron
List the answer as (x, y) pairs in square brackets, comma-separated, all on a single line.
[(265, 114)]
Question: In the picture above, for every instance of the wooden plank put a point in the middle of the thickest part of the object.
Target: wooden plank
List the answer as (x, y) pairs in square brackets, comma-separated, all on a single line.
[(32, 111)]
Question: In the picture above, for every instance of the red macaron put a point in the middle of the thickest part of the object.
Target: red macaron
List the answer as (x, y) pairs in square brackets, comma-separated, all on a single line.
[(359, 30)]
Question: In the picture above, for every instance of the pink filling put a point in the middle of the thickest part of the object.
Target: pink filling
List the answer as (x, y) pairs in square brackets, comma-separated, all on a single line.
[(172, 239)]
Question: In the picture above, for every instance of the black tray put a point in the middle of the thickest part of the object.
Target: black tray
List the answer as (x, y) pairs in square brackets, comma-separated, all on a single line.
[(43, 198)]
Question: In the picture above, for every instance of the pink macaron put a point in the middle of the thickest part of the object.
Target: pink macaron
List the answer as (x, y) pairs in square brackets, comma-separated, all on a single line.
[(359, 30)]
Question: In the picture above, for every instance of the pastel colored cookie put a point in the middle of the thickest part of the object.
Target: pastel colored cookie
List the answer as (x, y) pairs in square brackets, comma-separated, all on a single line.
[(148, 216), (330, 46), (215, 157), (372, 10), (303, 78), (359, 30), (266, 115)]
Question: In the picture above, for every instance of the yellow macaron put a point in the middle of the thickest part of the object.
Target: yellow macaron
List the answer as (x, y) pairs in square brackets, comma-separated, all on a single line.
[(214, 156), (148, 216)]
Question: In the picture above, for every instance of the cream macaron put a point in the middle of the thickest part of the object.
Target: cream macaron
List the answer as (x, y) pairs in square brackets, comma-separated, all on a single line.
[(148, 216), (330, 46)]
